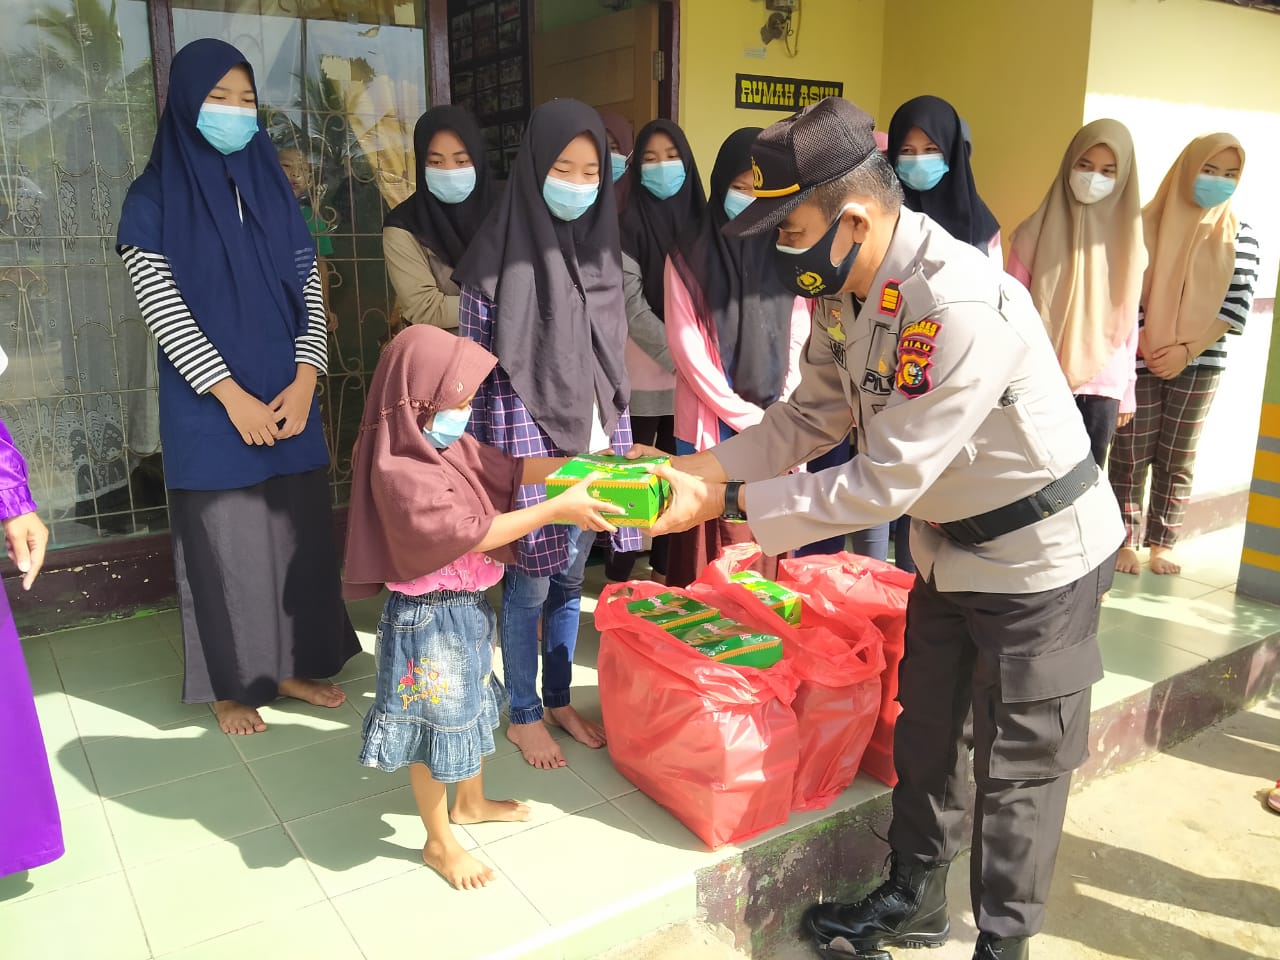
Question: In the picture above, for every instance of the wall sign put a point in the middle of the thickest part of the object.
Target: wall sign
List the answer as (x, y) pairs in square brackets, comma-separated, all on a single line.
[(789, 94)]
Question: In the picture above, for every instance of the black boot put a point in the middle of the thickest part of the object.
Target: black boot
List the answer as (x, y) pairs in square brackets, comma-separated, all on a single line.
[(997, 948), (907, 910)]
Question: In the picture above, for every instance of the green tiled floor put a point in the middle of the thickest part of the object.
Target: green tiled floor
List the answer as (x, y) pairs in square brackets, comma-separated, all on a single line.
[(184, 843)]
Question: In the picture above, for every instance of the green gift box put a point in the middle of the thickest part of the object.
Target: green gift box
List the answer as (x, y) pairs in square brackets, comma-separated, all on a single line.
[(785, 603), (727, 641), (672, 612), (629, 484)]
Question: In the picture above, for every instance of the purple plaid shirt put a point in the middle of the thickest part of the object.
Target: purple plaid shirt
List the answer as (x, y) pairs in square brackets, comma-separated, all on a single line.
[(499, 418)]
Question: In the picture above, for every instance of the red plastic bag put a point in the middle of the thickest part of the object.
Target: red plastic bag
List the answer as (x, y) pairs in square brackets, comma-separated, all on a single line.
[(843, 584), (714, 743), (838, 662)]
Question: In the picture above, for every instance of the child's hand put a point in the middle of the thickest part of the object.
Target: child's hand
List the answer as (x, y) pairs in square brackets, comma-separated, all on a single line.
[(577, 506)]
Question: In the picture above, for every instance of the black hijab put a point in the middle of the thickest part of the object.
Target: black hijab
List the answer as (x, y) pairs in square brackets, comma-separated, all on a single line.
[(735, 288), (650, 227), (445, 228), (954, 202), (557, 286)]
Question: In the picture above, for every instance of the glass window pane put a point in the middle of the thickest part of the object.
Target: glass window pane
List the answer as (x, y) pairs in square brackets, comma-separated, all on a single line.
[(79, 395)]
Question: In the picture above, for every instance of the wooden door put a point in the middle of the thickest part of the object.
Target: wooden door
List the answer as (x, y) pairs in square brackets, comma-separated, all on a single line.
[(611, 62)]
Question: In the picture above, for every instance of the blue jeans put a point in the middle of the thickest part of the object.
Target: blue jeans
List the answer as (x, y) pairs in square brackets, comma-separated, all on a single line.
[(555, 601), (874, 542), (838, 455)]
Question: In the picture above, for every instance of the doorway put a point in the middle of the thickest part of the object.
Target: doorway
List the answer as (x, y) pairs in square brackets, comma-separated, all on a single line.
[(624, 61)]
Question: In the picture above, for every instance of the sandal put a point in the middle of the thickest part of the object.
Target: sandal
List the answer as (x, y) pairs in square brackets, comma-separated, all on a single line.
[(1273, 798)]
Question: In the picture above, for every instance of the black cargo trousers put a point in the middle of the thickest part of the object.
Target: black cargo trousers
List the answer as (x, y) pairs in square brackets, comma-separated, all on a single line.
[(1025, 663)]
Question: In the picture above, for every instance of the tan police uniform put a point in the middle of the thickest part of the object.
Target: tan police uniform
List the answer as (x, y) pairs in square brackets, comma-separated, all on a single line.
[(962, 414)]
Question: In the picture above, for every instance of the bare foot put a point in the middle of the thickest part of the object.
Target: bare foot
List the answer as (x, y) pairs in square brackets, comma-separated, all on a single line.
[(535, 742), (457, 866), (573, 723), (1163, 563), (1127, 561), (321, 693), (491, 811), (237, 719)]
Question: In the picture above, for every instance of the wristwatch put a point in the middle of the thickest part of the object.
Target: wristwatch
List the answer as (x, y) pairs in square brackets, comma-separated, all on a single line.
[(733, 511)]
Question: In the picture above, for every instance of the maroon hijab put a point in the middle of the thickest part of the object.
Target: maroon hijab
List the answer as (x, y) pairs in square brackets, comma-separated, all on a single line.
[(414, 508)]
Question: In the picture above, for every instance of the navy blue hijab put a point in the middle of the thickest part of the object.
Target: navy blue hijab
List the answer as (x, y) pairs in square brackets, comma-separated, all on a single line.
[(243, 281)]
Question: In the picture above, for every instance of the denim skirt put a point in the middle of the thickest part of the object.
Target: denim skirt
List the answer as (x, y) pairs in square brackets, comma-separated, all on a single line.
[(438, 701)]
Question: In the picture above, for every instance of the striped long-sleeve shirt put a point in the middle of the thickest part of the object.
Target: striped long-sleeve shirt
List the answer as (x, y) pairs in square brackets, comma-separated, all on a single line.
[(1237, 305), (168, 317)]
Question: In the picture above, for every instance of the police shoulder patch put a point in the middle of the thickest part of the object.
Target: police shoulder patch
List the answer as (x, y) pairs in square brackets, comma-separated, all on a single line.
[(916, 344)]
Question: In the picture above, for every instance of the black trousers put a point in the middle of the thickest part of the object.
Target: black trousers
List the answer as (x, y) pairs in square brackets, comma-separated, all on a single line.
[(1100, 415), (1025, 663)]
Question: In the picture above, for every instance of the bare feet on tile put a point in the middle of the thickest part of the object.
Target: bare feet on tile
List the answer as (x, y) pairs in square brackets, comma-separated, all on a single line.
[(237, 719), (457, 866), (321, 693), (1163, 562), (537, 745), (1127, 561), (573, 723), (491, 811)]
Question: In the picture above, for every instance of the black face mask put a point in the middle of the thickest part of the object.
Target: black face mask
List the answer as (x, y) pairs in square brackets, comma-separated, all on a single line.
[(810, 272)]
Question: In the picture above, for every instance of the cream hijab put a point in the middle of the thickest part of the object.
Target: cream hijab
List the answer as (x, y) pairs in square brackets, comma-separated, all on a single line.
[(1191, 251), (1086, 260)]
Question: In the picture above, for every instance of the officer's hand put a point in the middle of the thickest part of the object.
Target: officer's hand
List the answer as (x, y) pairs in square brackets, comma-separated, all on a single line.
[(639, 451), (693, 501)]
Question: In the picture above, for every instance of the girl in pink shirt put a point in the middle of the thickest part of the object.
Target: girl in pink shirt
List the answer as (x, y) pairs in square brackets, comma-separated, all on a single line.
[(735, 336), (1081, 255), (432, 514)]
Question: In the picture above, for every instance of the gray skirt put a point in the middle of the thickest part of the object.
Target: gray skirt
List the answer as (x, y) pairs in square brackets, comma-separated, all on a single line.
[(258, 588)]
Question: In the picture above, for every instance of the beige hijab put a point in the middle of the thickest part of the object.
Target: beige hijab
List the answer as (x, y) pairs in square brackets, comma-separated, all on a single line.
[(1191, 251), (1086, 260)]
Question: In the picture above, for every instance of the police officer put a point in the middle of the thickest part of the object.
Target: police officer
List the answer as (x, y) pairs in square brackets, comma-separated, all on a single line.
[(964, 421)]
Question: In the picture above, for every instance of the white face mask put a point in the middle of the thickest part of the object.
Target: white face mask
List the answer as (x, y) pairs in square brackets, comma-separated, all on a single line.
[(1091, 187)]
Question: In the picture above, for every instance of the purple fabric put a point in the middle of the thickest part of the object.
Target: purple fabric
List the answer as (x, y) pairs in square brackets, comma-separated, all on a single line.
[(15, 495), (30, 829), (499, 418)]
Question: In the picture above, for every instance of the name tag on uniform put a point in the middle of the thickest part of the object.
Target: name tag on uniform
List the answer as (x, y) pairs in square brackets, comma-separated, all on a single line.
[(835, 333)]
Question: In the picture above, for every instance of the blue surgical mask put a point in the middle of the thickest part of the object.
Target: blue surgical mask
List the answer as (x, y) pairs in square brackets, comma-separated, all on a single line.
[(922, 171), (568, 201), (618, 165), (228, 129), (663, 179), (735, 201), (448, 426), (1211, 191), (451, 186)]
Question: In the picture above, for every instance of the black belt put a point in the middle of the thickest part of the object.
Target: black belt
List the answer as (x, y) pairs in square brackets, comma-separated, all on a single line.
[(1044, 503)]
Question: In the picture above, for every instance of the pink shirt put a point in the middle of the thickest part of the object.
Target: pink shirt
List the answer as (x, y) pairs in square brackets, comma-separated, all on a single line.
[(1118, 379), (704, 398), (471, 573)]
